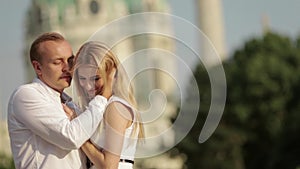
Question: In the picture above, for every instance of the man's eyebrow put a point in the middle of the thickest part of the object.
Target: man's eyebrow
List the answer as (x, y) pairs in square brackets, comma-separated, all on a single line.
[(54, 59), (62, 58)]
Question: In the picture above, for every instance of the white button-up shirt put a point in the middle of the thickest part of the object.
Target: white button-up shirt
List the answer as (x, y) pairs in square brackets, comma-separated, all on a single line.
[(41, 134)]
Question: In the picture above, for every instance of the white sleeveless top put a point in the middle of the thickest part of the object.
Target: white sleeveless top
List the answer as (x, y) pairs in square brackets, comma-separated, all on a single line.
[(130, 141)]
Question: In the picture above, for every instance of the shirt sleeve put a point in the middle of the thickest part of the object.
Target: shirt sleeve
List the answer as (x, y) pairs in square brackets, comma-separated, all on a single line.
[(48, 120)]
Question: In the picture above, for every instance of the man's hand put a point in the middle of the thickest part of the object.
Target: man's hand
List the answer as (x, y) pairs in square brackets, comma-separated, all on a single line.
[(69, 112), (107, 91)]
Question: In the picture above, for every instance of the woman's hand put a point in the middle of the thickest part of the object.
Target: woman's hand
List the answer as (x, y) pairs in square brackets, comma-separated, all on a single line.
[(69, 112), (107, 89)]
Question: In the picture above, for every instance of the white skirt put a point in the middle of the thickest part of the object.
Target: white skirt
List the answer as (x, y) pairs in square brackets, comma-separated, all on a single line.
[(122, 165)]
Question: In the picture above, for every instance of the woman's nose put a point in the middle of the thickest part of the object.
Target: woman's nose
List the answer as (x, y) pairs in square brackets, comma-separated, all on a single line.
[(89, 85)]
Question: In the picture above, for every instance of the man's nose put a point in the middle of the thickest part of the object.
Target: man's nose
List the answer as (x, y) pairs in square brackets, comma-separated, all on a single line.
[(65, 66)]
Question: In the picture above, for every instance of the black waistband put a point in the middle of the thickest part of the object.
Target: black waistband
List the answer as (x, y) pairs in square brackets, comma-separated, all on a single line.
[(126, 161)]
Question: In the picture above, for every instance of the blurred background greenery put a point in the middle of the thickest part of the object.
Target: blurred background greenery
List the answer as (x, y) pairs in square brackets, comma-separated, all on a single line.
[(260, 125), (6, 162)]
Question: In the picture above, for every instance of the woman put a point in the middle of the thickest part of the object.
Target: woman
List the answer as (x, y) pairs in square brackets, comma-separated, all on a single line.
[(114, 143)]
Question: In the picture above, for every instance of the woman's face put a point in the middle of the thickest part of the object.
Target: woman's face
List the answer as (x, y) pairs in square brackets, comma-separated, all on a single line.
[(90, 80)]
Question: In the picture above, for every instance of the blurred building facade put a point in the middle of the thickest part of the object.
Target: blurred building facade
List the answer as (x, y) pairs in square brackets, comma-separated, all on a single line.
[(77, 20)]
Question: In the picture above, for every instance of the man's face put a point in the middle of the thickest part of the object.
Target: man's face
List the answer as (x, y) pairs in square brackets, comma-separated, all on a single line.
[(55, 65)]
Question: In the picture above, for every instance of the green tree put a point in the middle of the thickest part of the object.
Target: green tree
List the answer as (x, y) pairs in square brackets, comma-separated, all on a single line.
[(289, 147), (259, 124), (6, 162)]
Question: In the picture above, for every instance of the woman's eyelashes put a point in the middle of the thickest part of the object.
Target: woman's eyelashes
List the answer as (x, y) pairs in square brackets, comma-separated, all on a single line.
[(81, 78), (96, 78)]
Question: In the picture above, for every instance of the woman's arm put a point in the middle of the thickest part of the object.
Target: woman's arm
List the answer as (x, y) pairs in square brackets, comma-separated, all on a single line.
[(95, 155), (117, 118)]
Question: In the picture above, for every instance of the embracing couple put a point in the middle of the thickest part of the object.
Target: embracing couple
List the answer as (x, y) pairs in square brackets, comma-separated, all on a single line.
[(99, 128)]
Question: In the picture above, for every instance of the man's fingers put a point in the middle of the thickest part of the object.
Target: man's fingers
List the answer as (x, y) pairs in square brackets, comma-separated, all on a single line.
[(69, 112)]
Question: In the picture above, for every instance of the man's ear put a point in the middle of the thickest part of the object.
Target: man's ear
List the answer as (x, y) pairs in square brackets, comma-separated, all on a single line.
[(37, 67)]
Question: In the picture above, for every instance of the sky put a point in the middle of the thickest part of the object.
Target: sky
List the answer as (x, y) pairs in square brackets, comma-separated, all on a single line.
[(242, 21)]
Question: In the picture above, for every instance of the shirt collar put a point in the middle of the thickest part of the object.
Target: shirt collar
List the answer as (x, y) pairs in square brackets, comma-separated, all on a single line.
[(65, 97)]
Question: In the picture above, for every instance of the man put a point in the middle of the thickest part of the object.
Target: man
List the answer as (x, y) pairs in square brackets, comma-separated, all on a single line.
[(41, 134)]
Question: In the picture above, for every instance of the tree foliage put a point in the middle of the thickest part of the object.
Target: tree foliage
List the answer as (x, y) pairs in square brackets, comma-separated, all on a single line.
[(260, 125), (6, 162)]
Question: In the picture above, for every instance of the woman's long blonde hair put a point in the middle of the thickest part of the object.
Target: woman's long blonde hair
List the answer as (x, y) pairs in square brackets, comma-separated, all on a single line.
[(98, 54)]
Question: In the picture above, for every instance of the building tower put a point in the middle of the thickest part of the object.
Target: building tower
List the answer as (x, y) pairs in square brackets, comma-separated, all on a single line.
[(210, 17)]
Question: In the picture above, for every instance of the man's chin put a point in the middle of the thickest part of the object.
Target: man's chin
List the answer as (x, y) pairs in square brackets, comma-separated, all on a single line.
[(66, 84)]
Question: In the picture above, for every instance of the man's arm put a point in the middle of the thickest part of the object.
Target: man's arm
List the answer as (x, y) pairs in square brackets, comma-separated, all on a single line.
[(50, 122)]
